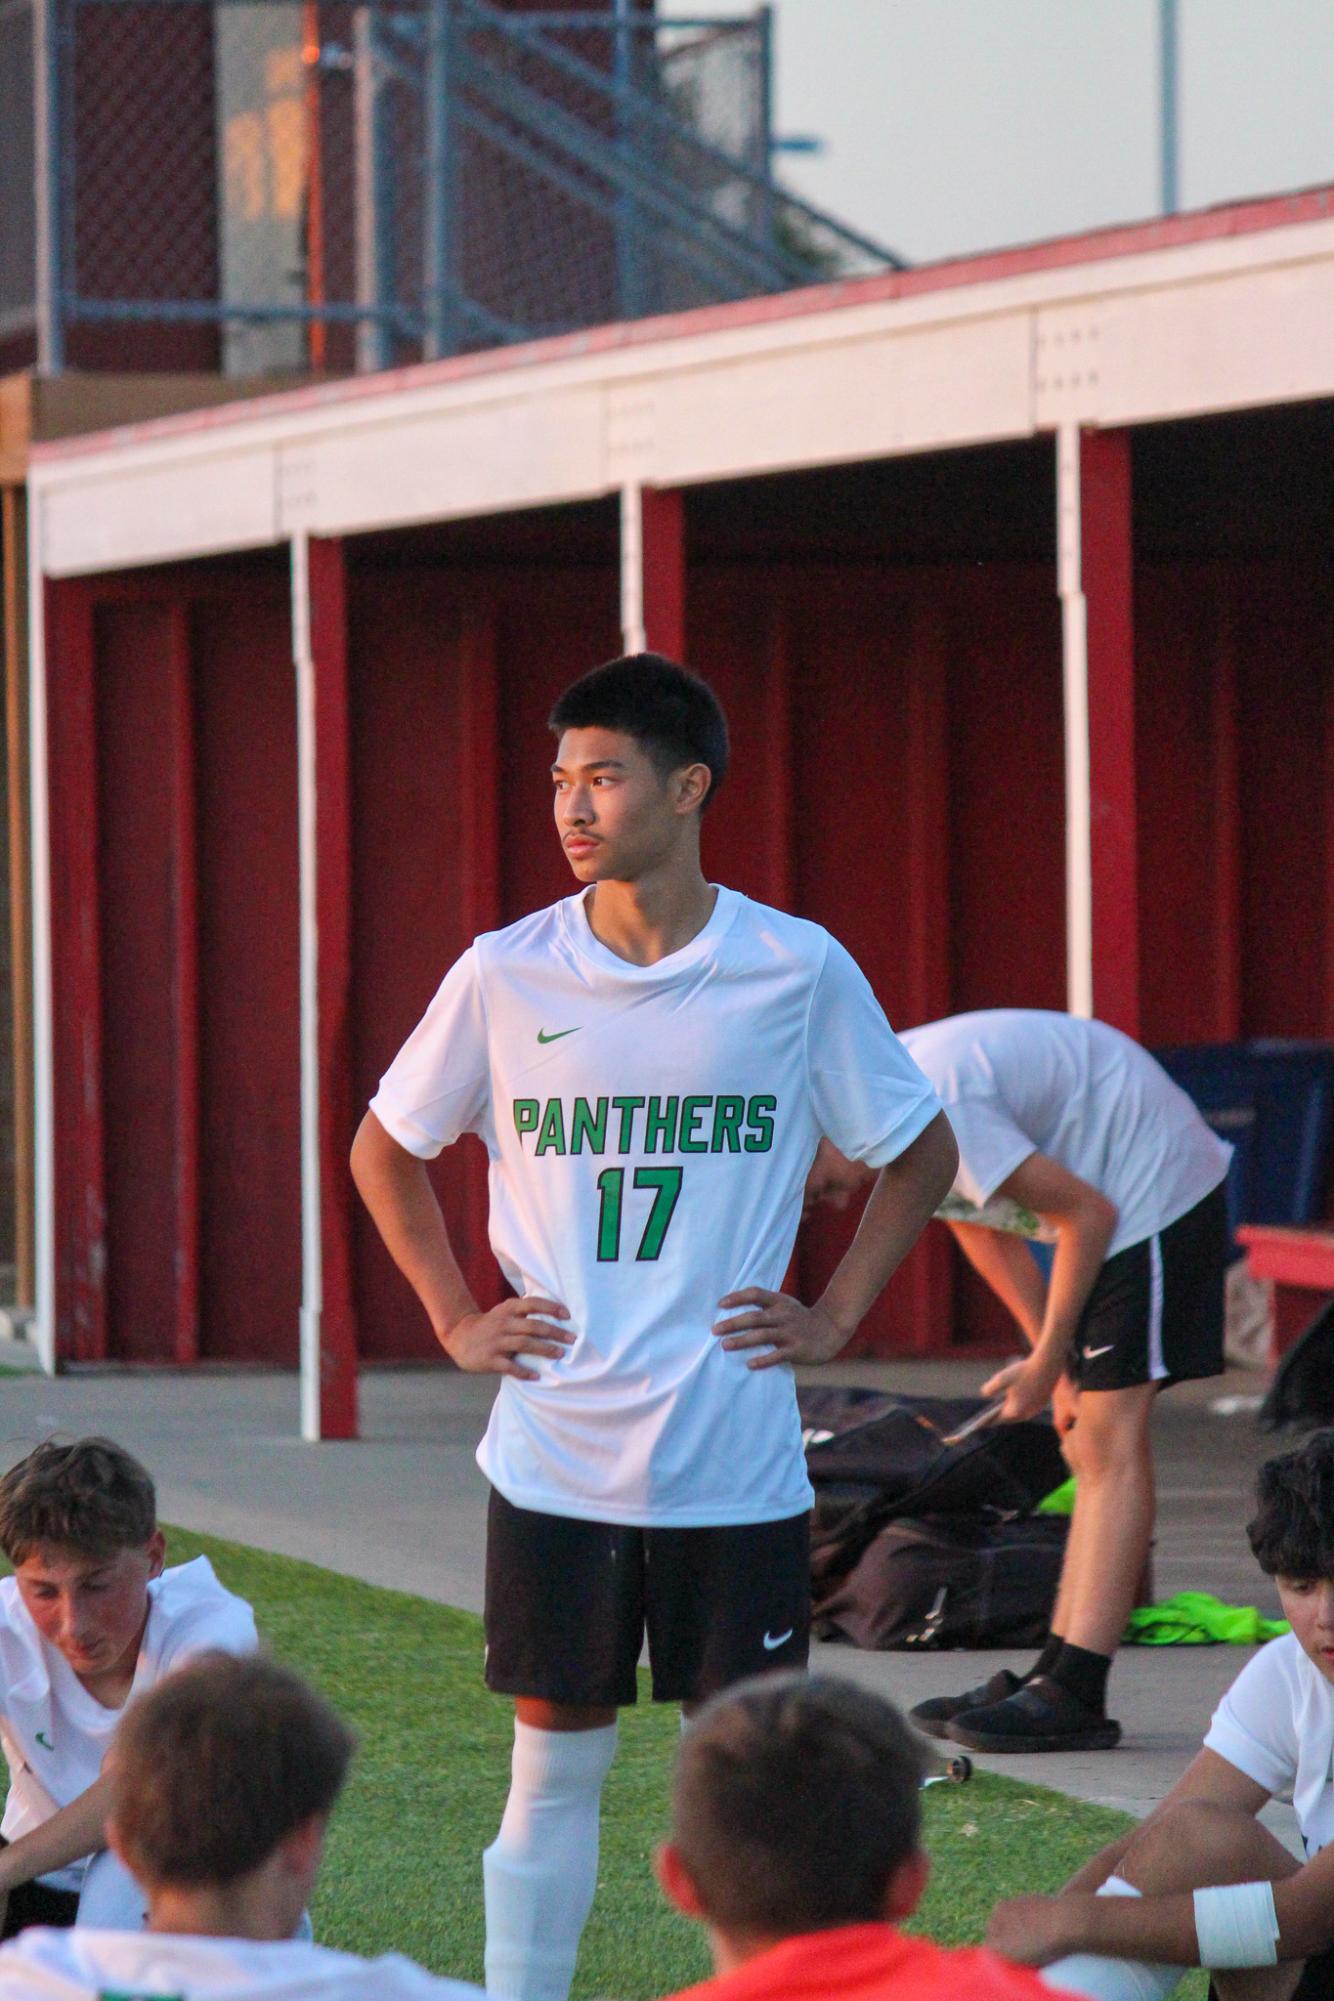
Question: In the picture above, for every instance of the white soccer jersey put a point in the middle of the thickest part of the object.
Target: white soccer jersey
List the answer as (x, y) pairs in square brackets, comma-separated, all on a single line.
[(53, 1732), (88, 1965), (649, 1131), (1016, 1081), (1276, 1724)]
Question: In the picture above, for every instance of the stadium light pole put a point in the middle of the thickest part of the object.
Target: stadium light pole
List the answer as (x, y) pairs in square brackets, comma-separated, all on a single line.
[(1168, 52)]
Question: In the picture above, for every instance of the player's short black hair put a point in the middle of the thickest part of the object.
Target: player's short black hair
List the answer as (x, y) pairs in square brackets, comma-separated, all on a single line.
[(217, 1765), (796, 1800), (1292, 1533), (672, 714)]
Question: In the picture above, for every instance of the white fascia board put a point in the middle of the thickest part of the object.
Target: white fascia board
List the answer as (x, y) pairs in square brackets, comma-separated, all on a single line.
[(446, 463), (128, 509), (1230, 342), (917, 391), (933, 369)]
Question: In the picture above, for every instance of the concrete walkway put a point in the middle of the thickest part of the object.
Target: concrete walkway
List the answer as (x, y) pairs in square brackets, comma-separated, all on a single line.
[(405, 1506)]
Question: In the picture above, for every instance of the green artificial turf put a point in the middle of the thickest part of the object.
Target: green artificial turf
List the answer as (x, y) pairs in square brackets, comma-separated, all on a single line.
[(403, 1868)]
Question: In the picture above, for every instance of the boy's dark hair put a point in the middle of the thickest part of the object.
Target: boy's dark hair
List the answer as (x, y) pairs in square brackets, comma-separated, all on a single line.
[(92, 1496), (674, 716), (1292, 1534), (217, 1765), (796, 1799)]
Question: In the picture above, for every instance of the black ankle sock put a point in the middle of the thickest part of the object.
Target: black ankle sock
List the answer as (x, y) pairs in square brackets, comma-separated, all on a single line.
[(1046, 1660), (1083, 1675)]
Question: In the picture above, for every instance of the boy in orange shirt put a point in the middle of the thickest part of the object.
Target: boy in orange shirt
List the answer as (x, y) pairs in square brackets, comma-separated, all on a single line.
[(796, 1842)]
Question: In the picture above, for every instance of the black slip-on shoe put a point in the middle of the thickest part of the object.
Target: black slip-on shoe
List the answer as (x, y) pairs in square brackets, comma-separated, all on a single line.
[(1041, 1716), (938, 1710)]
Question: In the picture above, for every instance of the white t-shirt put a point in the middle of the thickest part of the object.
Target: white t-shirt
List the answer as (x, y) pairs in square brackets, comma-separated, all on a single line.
[(1017, 1081), (88, 1965), (54, 1733), (1276, 1724), (649, 1131)]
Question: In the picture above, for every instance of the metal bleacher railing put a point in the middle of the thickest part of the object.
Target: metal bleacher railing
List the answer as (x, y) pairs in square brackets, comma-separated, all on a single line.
[(272, 184)]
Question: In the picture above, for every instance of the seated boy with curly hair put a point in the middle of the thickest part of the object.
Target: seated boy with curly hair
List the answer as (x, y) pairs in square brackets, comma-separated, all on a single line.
[(1200, 1882), (89, 1618)]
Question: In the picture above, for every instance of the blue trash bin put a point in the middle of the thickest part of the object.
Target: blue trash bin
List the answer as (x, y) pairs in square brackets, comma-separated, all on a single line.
[(1273, 1100)]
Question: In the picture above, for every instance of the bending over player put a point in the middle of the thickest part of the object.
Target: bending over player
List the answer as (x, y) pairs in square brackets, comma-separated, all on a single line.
[(651, 1064), (1073, 1121), (220, 1788), (1271, 1736), (796, 1829)]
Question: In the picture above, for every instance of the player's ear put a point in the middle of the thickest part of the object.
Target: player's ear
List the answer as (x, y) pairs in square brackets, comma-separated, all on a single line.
[(690, 787), (907, 1886), (157, 1553), (303, 1847), (675, 1883)]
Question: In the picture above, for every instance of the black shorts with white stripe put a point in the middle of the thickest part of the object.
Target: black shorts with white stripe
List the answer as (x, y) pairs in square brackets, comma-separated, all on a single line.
[(1155, 1314)]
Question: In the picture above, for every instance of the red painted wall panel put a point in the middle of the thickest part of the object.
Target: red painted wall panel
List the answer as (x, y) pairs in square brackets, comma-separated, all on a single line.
[(148, 936), (1233, 744), (250, 1136), (80, 1181)]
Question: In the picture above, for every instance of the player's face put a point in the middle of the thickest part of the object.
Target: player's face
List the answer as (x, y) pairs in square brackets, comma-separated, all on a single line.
[(615, 813), (92, 1609), (1308, 1607)]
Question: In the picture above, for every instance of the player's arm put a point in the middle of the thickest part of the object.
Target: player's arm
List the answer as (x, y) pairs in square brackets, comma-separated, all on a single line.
[(72, 1832), (906, 1194), (1207, 1777), (1007, 1265), (1037, 1930), (1084, 1222), (396, 1188)]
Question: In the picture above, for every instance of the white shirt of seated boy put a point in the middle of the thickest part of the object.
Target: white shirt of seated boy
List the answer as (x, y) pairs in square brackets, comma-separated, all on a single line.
[(55, 1735), (84, 1965)]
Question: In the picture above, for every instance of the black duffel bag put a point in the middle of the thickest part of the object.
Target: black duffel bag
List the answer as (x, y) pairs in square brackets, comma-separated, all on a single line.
[(947, 1581), (877, 1459)]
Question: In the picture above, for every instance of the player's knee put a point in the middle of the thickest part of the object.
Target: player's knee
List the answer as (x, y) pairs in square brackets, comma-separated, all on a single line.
[(1198, 1842), (1108, 1445)]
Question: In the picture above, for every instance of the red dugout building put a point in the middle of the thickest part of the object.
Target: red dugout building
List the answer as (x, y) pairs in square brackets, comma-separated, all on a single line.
[(1015, 576)]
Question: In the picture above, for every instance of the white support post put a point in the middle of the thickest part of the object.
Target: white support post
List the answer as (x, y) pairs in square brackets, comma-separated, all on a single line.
[(39, 835), (1075, 665), (632, 570), (312, 1262)]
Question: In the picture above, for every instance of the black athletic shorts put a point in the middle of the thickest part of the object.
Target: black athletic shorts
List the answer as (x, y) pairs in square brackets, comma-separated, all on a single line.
[(568, 1604), (37, 1904), (1155, 1314)]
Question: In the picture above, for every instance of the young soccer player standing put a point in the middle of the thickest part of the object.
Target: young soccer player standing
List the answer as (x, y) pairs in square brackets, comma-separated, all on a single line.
[(651, 1064)]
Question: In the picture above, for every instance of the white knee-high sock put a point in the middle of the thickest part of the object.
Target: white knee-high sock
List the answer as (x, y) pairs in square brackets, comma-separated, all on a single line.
[(541, 1870), (1113, 1979)]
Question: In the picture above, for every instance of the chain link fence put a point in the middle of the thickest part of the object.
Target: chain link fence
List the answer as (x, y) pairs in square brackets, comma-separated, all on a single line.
[(18, 232), (282, 184)]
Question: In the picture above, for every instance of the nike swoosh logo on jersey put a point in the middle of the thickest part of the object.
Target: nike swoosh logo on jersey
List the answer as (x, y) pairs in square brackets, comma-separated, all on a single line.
[(772, 1640), (44, 1741), (1092, 1354), (555, 1035)]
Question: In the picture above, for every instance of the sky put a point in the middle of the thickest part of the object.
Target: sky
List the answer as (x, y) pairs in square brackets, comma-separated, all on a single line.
[(960, 125)]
